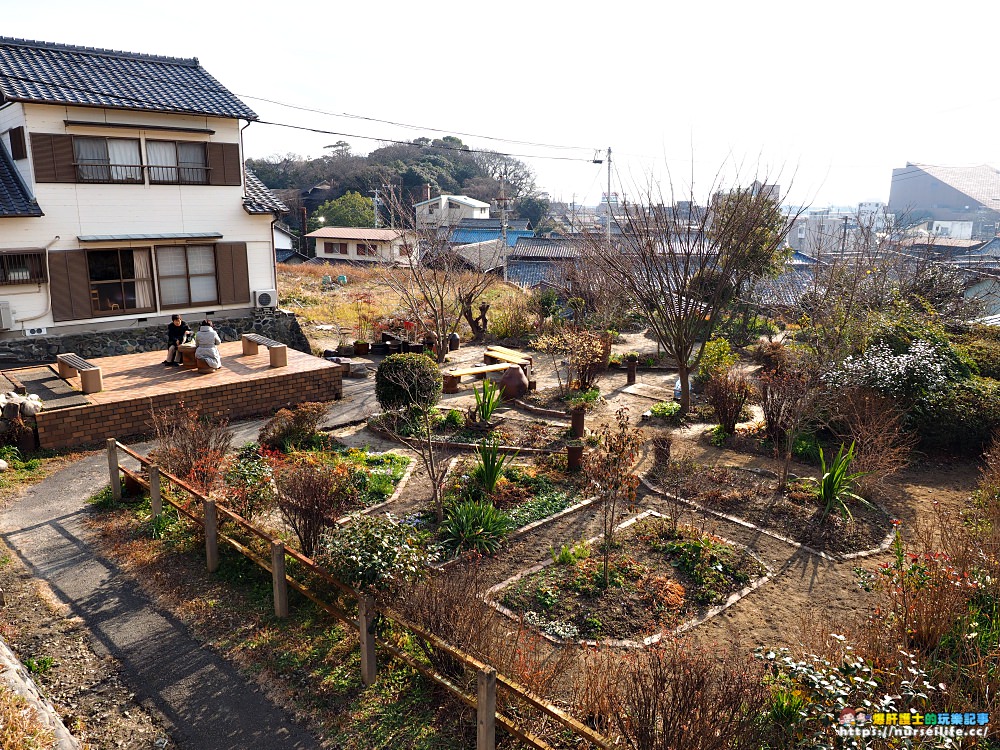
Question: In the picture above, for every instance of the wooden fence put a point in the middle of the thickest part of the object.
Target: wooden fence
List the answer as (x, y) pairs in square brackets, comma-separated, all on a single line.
[(488, 717)]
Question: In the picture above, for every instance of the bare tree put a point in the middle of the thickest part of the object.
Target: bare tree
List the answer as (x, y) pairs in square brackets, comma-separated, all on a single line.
[(435, 285), (788, 398), (680, 267)]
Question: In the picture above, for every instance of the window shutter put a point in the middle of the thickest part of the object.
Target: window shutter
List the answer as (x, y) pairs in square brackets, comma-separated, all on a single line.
[(224, 167), (52, 156), (69, 285), (18, 147), (233, 274)]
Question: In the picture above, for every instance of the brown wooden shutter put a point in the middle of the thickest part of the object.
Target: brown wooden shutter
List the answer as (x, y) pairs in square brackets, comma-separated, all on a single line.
[(18, 147), (52, 157), (232, 272), (224, 167), (69, 285)]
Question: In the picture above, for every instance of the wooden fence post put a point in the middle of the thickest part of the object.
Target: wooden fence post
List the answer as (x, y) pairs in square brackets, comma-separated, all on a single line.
[(486, 710), (279, 583), (116, 479), (366, 622), (155, 502), (211, 536)]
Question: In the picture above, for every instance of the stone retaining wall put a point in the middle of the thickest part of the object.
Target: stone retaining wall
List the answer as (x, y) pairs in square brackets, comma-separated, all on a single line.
[(276, 324)]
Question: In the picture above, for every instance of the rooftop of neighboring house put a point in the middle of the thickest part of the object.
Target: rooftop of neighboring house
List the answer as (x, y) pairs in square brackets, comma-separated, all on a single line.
[(512, 224), (546, 247), (63, 74), (15, 200), (483, 256), (260, 200), (285, 255), (356, 233), (981, 183), (463, 199), (534, 273)]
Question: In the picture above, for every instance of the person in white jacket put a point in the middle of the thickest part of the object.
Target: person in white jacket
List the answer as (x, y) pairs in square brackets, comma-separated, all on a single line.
[(207, 341)]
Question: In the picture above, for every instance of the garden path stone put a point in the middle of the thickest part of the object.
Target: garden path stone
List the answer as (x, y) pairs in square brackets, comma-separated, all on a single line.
[(205, 701)]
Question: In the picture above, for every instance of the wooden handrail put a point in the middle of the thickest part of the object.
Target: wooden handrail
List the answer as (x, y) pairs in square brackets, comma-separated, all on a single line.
[(395, 617)]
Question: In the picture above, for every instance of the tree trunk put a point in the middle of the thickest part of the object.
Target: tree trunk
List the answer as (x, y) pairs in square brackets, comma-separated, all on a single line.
[(478, 331), (683, 372)]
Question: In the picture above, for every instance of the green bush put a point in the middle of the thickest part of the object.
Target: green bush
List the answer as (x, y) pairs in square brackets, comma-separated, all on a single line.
[(490, 465), (293, 428), (835, 486), (570, 554), (405, 380), (454, 418), (477, 526), (717, 356), (665, 409), (960, 418), (981, 347), (377, 553), (249, 483)]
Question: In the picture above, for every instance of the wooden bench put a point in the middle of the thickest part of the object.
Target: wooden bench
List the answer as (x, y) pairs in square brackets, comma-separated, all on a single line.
[(71, 365), (493, 355), (453, 377), (277, 351), (511, 352)]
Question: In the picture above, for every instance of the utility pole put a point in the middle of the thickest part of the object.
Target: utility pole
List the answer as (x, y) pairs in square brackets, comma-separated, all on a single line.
[(375, 204), (610, 215), (843, 238), (502, 204)]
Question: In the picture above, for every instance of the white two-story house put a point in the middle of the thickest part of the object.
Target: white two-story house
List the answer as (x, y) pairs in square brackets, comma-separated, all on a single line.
[(123, 196), (449, 210)]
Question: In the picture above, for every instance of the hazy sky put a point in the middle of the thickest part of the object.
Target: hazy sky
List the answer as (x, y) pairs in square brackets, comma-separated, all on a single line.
[(835, 94)]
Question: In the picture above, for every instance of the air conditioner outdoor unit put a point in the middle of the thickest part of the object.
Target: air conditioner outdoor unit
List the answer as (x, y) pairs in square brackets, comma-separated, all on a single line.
[(266, 298), (6, 319)]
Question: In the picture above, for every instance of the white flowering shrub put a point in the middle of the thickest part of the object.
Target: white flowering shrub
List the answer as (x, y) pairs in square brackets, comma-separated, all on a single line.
[(922, 369)]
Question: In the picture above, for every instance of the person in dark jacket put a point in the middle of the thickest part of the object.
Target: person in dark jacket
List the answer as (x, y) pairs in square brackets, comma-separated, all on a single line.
[(176, 331)]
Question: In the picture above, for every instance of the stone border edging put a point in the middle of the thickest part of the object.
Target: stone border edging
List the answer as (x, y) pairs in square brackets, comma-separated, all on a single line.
[(735, 519), (539, 410), (344, 520), (14, 674), (628, 643)]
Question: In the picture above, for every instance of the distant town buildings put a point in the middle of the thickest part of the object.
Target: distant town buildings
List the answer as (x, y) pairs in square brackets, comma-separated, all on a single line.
[(960, 202)]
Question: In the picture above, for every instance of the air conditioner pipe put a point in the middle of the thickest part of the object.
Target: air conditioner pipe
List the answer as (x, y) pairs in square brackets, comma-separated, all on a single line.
[(48, 284)]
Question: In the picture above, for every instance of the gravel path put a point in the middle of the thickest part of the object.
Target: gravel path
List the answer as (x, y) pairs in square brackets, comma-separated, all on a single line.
[(206, 703)]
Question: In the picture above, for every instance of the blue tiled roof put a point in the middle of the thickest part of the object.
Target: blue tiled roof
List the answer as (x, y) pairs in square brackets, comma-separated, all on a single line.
[(465, 236), (533, 273), (260, 200), (47, 73), (14, 197)]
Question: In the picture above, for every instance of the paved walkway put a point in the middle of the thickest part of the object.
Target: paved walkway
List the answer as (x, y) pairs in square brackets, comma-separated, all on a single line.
[(207, 704)]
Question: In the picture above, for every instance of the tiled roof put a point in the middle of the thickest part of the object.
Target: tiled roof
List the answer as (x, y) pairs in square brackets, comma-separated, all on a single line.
[(260, 200), (532, 273), (284, 255), (48, 73), (356, 233), (545, 247), (517, 224), (15, 200), (465, 235), (484, 256), (785, 290)]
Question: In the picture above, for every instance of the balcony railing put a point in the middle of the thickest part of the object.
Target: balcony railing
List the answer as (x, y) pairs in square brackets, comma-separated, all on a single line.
[(132, 174)]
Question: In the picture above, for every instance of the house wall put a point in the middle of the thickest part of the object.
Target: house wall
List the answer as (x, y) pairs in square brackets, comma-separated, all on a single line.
[(443, 216), (72, 210), (387, 251)]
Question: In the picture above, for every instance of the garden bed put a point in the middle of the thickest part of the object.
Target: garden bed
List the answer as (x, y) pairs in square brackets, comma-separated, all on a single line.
[(794, 514), (661, 575), (556, 399)]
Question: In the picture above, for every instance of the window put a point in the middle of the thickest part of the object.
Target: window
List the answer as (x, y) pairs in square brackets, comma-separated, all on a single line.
[(405, 249), (177, 162), (120, 280), (21, 268), (335, 248), (107, 159), (187, 275), (366, 249)]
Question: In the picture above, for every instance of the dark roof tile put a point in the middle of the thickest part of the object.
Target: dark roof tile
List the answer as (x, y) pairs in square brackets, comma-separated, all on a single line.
[(15, 200), (260, 200), (48, 73)]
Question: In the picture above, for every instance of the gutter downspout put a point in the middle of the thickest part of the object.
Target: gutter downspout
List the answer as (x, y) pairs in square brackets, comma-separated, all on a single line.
[(243, 175), (48, 284)]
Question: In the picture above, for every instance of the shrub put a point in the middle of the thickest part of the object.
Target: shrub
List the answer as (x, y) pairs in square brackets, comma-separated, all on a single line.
[(922, 369), (981, 346), (190, 447), (490, 464), (510, 317), (836, 483), (293, 428), (249, 482), (454, 418), (472, 525), (728, 392), (962, 417), (569, 554), (487, 401), (312, 498), (377, 554), (717, 357), (407, 380), (772, 356), (665, 409)]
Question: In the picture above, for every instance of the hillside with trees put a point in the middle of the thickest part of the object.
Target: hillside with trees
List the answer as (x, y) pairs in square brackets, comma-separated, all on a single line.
[(446, 164)]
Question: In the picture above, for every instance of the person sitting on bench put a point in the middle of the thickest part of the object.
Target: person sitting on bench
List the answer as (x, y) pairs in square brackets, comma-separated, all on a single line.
[(177, 330), (208, 345)]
